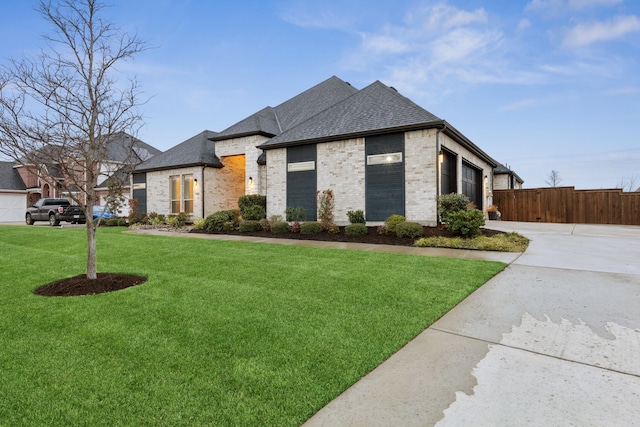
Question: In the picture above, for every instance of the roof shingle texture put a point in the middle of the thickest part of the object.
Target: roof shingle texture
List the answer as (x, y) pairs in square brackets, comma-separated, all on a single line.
[(10, 178), (275, 120), (377, 107), (197, 150)]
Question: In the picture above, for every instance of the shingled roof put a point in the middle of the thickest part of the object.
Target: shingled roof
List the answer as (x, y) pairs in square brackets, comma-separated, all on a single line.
[(374, 109), (503, 170), (195, 151), (272, 121), (10, 178)]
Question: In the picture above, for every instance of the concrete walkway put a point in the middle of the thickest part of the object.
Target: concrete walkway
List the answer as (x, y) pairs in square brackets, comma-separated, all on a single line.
[(552, 340)]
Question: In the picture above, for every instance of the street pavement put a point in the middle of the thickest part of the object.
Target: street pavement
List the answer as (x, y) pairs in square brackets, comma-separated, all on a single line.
[(553, 340)]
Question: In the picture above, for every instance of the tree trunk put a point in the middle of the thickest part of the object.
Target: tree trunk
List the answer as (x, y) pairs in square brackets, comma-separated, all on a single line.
[(92, 270)]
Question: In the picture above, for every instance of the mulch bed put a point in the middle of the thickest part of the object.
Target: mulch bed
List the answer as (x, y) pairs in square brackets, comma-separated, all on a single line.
[(372, 236), (80, 285)]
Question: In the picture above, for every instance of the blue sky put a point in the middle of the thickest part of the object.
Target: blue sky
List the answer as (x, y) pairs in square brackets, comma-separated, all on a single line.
[(537, 84)]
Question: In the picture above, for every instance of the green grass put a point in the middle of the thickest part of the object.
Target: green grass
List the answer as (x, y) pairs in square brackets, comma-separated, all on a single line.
[(506, 242), (223, 333)]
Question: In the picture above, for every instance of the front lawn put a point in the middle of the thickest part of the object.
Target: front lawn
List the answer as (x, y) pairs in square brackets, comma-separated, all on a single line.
[(222, 333)]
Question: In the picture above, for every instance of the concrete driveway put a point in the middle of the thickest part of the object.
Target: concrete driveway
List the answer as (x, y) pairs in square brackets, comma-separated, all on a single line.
[(552, 340)]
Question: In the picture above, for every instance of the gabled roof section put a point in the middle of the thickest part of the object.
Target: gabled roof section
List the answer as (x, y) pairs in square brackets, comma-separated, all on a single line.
[(120, 144), (272, 121), (264, 122), (504, 170), (195, 151), (10, 178), (375, 109)]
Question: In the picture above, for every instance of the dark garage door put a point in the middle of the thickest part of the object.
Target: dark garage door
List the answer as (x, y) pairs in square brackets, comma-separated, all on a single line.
[(472, 183)]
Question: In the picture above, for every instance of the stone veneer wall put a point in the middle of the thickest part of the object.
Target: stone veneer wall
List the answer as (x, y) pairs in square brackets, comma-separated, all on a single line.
[(341, 168), (501, 182), (276, 181), (421, 176), (245, 146)]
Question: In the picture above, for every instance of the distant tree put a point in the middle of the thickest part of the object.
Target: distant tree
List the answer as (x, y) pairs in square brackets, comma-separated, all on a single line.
[(628, 184), (61, 106), (553, 179)]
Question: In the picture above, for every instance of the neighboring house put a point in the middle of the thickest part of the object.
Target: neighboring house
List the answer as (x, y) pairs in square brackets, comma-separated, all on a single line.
[(13, 193), (377, 150), (506, 179), (47, 179)]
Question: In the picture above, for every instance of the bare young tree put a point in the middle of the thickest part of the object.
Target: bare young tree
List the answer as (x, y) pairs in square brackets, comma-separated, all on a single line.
[(629, 184), (553, 179), (61, 107)]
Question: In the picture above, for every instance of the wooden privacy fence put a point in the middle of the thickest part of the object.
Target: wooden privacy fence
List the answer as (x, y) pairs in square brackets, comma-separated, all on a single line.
[(568, 205)]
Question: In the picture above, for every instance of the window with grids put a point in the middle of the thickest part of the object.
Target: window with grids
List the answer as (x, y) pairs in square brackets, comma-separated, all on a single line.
[(181, 194)]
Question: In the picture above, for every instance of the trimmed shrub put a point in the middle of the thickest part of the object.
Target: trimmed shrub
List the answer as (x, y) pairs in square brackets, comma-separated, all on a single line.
[(450, 203), (383, 230), (265, 224), (409, 229), (393, 221), (295, 214), (250, 200), (221, 220), (356, 217), (355, 229), (157, 219), (466, 222), (279, 227), (310, 228), (115, 222), (253, 213), (177, 221), (248, 225), (199, 223)]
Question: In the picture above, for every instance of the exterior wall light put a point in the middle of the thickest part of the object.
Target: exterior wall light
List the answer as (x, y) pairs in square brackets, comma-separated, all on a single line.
[(250, 181), (441, 157)]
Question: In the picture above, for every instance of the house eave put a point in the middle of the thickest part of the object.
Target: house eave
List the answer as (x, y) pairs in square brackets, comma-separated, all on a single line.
[(241, 135), (180, 166)]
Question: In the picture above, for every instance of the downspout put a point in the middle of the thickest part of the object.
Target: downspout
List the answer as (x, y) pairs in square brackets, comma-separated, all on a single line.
[(438, 166)]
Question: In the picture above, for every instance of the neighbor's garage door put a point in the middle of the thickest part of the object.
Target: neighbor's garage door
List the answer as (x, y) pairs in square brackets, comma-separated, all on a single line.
[(12, 207)]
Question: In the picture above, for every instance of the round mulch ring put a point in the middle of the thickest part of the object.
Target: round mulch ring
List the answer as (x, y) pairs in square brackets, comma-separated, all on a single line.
[(80, 285)]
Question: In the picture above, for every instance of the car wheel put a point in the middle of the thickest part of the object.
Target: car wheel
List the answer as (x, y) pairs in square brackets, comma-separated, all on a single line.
[(53, 221), (29, 220)]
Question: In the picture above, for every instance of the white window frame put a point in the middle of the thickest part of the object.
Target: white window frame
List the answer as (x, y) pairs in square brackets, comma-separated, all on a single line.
[(301, 166), (384, 159)]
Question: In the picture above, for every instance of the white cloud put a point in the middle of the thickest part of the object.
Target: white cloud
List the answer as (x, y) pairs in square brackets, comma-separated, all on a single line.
[(524, 24), (584, 34), (314, 15), (553, 8), (443, 17)]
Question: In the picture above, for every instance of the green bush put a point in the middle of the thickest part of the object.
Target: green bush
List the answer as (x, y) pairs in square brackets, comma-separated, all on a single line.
[(279, 227), (156, 219), (222, 221), (450, 203), (254, 213), (393, 221), (248, 225), (199, 224), (177, 221), (355, 229), (466, 222), (356, 217), (249, 200), (296, 214), (115, 222), (310, 228), (409, 229)]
